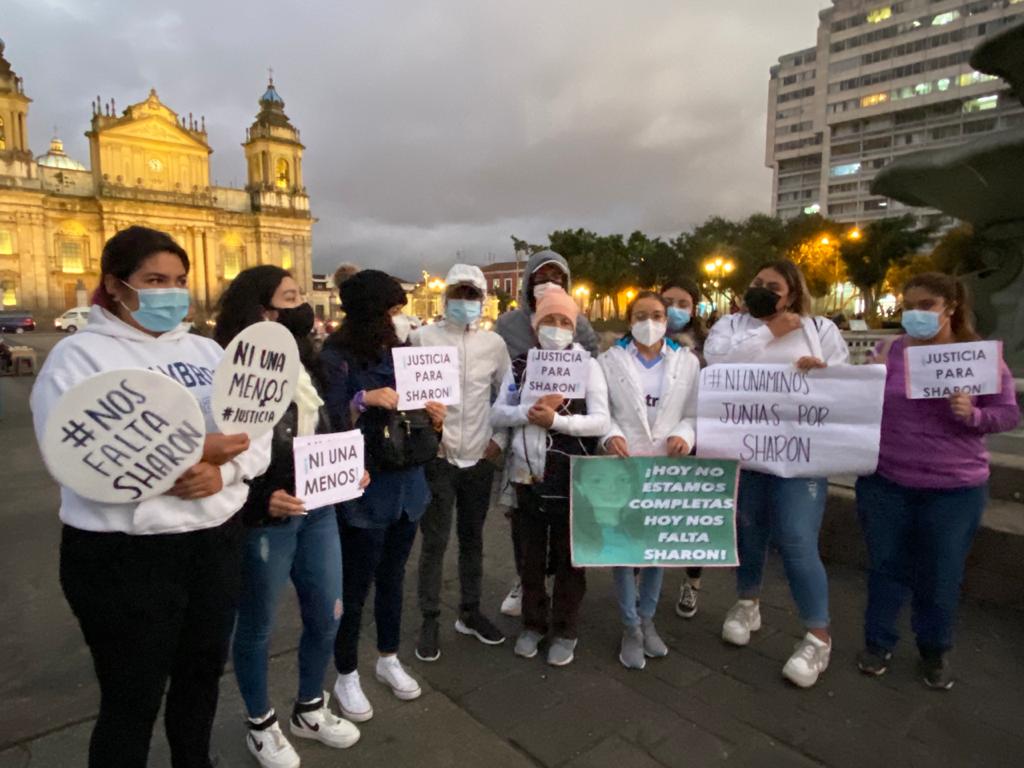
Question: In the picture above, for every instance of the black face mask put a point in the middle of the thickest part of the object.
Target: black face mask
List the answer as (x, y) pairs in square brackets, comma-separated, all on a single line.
[(298, 320), (761, 302)]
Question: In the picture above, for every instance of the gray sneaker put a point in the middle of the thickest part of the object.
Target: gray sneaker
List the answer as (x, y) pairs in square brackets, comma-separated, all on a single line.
[(631, 654), (561, 651), (527, 642), (654, 646)]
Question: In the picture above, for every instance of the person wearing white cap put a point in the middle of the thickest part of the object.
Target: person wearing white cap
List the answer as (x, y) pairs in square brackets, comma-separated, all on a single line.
[(460, 477)]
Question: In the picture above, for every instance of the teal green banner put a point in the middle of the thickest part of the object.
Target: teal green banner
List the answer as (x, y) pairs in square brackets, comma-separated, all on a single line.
[(653, 510)]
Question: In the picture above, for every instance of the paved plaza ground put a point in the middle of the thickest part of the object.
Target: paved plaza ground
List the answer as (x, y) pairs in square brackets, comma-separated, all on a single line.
[(705, 704)]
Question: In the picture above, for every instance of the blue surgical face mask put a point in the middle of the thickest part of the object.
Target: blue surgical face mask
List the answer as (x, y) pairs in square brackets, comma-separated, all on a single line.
[(462, 311), (160, 309), (678, 319), (921, 324)]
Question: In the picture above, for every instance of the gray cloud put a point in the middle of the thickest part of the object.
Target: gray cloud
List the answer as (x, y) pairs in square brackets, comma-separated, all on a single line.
[(444, 126)]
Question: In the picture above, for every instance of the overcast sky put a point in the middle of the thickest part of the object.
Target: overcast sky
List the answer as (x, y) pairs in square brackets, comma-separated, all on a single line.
[(437, 126)]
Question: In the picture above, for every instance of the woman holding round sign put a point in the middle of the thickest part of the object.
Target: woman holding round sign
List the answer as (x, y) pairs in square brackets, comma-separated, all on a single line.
[(285, 539), (921, 508), (377, 529), (151, 545), (652, 395), (777, 327)]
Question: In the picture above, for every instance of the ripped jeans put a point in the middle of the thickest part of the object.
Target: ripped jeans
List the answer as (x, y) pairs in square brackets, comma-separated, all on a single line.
[(786, 511), (308, 550)]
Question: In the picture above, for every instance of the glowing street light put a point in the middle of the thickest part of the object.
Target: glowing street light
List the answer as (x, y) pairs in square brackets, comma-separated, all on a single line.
[(854, 234), (718, 268)]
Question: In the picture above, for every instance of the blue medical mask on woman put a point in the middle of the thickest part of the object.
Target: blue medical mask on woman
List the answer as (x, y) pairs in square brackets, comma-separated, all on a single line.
[(160, 309), (921, 324), (462, 311), (678, 319)]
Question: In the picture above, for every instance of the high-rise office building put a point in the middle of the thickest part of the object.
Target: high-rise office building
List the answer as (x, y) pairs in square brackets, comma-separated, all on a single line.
[(882, 81)]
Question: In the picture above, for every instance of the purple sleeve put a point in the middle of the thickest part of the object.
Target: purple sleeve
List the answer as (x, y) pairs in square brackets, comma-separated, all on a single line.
[(997, 413)]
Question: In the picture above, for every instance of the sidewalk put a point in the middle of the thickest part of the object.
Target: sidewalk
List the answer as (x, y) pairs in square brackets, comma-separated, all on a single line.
[(706, 704)]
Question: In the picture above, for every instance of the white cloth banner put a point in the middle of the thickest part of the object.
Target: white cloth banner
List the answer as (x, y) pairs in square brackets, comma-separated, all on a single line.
[(557, 372), (426, 374), (941, 370), (328, 468), (778, 420)]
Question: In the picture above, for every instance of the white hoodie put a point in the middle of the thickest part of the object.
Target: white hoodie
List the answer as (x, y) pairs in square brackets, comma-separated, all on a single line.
[(107, 344)]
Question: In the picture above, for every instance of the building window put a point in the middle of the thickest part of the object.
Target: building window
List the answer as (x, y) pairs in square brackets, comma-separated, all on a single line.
[(879, 15), (3, 136), (981, 103), (232, 261), (945, 18), (72, 257), (873, 99), (847, 169), (282, 174), (9, 292), (508, 285), (287, 257), (6, 243)]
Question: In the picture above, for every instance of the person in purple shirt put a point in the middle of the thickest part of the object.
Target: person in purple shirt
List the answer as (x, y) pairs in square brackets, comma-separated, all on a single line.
[(921, 508)]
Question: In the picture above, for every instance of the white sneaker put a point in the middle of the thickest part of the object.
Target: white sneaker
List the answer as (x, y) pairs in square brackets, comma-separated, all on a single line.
[(808, 661), (352, 701), (742, 619), (392, 674), (316, 721), (268, 745), (512, 605)]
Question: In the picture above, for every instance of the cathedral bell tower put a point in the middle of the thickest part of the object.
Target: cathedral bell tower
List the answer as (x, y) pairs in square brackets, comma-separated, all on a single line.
[(15, 155), (273, 155)]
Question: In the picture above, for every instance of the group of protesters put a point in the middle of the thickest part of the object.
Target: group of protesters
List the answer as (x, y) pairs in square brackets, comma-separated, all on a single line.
[(165, 589)]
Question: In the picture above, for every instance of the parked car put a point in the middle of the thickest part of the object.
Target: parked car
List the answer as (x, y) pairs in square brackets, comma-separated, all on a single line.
[(72, 320), (16, 321)]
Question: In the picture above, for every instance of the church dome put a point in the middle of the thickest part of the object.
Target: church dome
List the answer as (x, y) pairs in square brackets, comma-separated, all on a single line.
[(57, 158)]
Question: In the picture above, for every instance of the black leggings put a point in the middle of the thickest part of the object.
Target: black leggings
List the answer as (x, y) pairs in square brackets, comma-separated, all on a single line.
[(154, 608)]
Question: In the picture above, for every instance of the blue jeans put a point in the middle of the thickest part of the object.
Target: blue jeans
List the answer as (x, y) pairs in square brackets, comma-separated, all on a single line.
[(631, 607), (918, 540), (306, 548), (786, 511)]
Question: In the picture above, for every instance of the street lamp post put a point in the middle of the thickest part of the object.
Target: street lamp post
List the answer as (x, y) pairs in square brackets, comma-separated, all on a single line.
[(717, 268)]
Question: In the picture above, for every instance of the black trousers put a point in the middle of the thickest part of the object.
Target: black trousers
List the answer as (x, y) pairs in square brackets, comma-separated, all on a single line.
[(153, 609), (372, 557), (543, 529), (466, 493)]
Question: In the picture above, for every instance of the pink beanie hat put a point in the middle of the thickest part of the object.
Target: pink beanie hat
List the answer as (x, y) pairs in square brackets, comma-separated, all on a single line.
[(555, 302)]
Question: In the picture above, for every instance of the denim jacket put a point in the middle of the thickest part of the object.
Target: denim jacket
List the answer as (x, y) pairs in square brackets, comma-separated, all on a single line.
[(390, 493)]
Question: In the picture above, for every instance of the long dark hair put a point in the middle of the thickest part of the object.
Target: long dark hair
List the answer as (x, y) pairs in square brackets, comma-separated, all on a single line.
[(246, 299), (800, 296), (124, 253), (697, 327), (956, 296)]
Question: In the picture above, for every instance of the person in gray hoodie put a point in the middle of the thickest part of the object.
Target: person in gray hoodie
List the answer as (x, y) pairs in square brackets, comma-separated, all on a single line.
[(544, 268)]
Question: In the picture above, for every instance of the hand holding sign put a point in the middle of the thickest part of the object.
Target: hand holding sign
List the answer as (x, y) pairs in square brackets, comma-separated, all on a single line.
[(124, 436), (219, 449), (329, 468), (256, 379)]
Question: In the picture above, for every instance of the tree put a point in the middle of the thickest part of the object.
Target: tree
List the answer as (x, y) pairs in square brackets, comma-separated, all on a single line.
[(959, 252), (602, 260), (882, 243)]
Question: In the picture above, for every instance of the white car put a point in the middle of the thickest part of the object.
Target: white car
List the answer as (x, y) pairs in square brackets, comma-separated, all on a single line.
[(72, 320)]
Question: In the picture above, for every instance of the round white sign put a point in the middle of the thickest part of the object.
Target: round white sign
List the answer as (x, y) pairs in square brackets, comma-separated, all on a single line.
[(256, 379), (122, 437)]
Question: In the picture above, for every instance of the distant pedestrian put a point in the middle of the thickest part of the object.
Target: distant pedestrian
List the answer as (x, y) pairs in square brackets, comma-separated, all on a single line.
[(921, 509)]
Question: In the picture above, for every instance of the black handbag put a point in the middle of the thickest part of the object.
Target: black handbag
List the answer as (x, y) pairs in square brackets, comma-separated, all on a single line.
[(398, 439)]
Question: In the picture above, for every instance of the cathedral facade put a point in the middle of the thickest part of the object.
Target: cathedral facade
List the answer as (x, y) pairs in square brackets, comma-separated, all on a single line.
[(148, 166)]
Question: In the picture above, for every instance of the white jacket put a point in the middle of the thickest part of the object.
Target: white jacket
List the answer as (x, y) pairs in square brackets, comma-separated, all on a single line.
[(676, 413), (483, 362), (107, 344), (740, 338), (529, 443)]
